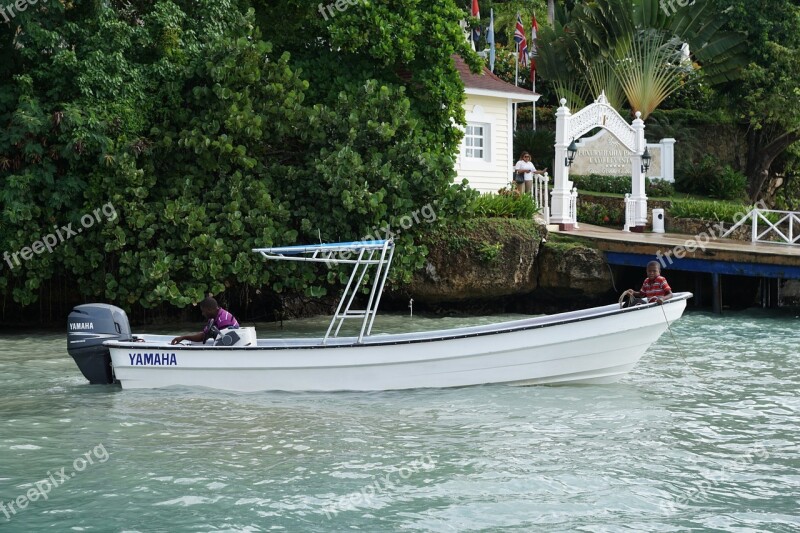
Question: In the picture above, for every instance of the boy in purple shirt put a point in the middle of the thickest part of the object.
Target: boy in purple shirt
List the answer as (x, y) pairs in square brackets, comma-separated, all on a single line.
[(216, 316)]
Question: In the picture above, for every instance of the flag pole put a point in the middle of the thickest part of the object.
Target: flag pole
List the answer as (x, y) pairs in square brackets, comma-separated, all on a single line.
[(535, 54), (516, 84), (491, 40), (534, 102)]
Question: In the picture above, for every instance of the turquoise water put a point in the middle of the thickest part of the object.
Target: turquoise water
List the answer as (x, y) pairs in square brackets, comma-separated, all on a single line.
[(701, 436)]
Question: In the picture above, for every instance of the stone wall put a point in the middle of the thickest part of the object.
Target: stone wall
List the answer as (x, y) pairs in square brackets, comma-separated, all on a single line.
[(790, 292), (463, 271), (574, 274), (491, 258)]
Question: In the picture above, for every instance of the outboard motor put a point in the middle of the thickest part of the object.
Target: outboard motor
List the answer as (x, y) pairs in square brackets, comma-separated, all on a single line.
[(89, 326)]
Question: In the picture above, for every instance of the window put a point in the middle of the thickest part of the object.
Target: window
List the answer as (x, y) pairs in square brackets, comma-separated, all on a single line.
[(476, 141)]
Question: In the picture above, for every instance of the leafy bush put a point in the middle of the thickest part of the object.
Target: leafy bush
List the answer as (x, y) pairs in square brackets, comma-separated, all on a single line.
[(659, 187), (505, 204), (709, 178), (711, 210), (728, 185), (691, 177), (598, 183), (600, 215), (621, 184), (209, 142)]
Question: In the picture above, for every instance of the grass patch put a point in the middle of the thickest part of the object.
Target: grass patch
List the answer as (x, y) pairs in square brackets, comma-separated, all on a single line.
[(719, 210), (566, 242)]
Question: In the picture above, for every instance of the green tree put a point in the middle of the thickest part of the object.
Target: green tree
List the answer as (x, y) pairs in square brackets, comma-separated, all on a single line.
[(209, 141), (636, 49), (385, 95), (766, 97), (82, 92)]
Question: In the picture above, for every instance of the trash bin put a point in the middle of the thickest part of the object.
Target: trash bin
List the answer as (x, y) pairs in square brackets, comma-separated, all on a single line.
[(658, 221)]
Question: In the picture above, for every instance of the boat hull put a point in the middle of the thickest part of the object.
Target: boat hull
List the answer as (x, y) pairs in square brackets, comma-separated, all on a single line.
[(597, 345)]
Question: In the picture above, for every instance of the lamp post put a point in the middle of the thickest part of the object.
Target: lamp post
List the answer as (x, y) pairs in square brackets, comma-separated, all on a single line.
[(571, 151), (646, 158)]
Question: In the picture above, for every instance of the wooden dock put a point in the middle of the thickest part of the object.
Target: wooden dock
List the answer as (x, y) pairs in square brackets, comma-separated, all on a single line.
[(694, 253)]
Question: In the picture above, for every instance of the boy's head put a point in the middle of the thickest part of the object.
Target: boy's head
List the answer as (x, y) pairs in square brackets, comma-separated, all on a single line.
[(653, 269), (209, 307)]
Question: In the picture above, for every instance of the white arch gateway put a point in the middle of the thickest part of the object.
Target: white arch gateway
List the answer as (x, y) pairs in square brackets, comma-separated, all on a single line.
[(571, 127)]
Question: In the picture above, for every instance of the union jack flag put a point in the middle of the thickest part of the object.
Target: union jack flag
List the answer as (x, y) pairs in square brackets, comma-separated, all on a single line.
[(522, 42)]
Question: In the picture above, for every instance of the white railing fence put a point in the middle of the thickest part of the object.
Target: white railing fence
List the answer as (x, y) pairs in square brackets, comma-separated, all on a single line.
[(630, 212), (541, 194), (573, 207), (784, 231)]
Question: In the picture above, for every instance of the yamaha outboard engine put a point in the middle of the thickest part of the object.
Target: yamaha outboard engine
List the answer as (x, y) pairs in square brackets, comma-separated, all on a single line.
[(89, 326)]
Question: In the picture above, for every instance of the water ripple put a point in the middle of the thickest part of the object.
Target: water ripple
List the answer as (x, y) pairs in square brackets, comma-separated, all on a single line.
[(701, 435)]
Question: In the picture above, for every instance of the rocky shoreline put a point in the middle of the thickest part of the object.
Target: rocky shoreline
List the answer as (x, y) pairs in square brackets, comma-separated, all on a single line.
[(530, 271)]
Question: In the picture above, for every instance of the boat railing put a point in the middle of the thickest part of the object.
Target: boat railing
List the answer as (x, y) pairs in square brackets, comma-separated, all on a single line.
[(377, 254)]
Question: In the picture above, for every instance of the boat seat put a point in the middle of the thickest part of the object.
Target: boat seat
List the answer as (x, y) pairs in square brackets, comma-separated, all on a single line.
[(236, 337)]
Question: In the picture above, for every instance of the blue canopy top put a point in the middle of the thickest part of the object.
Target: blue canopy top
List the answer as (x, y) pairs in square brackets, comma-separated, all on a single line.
[(325, 248)]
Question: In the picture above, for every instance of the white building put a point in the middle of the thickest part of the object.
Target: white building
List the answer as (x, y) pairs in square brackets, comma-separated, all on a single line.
[(487, 157)]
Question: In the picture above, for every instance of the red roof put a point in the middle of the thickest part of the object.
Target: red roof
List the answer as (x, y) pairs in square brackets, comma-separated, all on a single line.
[(486, 80)]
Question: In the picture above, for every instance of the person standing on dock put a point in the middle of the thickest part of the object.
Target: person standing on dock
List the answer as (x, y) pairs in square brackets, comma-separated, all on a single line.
[(654, 289), (523, 173)]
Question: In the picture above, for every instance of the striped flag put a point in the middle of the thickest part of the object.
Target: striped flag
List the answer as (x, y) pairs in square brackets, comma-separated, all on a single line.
[(522, 42), (476, 13)]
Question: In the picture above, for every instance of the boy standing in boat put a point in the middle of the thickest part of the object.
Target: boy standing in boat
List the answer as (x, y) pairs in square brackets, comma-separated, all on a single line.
[(217, 317), (654, 289)]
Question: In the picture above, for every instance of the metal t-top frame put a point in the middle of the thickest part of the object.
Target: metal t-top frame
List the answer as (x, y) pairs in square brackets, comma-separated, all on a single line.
[(378, 253)]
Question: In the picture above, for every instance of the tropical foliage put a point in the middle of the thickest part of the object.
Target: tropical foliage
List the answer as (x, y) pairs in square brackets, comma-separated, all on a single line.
[(711, 178), (505, 204), (600, 215), (636, 52), (765, 99), (712, 210), (212, 130), (620, 184)]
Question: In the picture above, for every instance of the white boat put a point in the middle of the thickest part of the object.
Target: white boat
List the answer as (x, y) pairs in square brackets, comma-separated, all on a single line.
[(597, 345)]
